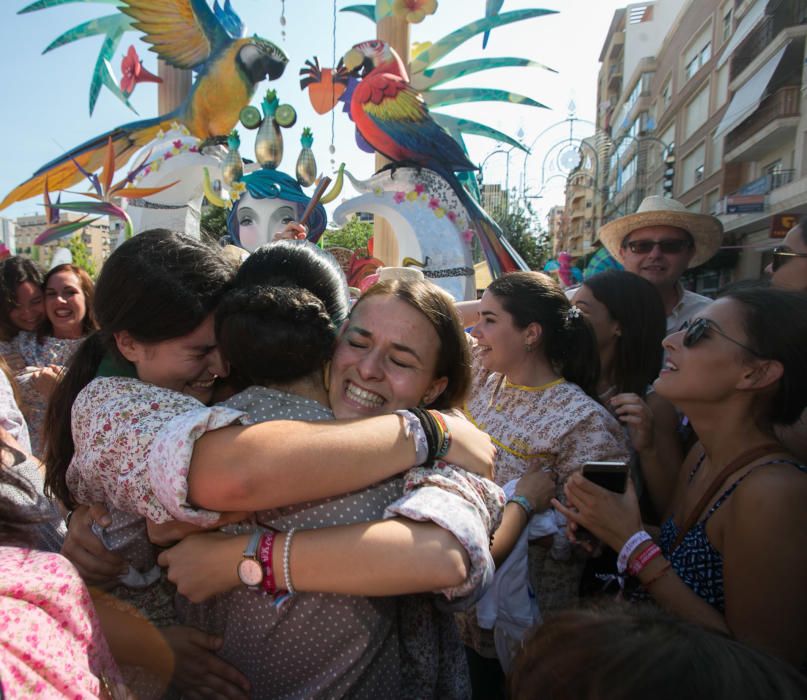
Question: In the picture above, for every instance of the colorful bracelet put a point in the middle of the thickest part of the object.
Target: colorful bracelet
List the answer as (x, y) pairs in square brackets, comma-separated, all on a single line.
[(445, 434), (265, 550), (413, 427), (636, 539), (286, 558), (643, 559), (524, 503)]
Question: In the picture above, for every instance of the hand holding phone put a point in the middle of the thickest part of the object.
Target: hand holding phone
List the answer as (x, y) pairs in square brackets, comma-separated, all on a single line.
[(610, 475)]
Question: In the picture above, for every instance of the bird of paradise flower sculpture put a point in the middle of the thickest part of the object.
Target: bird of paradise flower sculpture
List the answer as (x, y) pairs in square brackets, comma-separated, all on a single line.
[(105, 193), (188, 35)]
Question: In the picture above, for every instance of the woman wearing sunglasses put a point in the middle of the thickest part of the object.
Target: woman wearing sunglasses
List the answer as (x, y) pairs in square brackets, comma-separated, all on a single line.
[(788, 269), (731, 551)]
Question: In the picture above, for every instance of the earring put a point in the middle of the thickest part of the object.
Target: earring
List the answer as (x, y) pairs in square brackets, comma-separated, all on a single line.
[(326, 376), (529, 347)]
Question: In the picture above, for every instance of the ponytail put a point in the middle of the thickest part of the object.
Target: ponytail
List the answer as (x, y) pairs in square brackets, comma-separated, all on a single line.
[(567, 338), (576, 353), (59, 446)]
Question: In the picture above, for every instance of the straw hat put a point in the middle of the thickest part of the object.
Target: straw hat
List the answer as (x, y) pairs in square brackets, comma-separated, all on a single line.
[(706, 230)]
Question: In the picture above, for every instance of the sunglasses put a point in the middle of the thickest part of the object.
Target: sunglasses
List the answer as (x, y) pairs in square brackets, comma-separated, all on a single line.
[(781, 255), (696, 331), (668, 246)]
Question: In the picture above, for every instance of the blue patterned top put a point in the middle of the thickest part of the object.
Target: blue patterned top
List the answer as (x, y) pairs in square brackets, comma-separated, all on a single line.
[(698, 564)]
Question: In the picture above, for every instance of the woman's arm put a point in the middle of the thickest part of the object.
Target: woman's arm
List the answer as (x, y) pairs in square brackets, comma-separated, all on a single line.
[(652, 427), (382, 558), (538, 487), (276, 463), (764, 541), (614, 518), (468, 311)]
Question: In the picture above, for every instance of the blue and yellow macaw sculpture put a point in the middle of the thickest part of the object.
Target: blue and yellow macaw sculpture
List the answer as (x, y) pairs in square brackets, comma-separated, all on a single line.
[(186, 34), (393, 118)]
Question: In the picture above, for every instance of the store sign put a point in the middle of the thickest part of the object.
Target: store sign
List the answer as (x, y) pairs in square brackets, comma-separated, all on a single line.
[(745, 203), (782, 223)]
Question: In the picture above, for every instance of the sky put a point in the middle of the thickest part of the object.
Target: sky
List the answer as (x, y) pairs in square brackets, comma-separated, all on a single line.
[(46, 112)]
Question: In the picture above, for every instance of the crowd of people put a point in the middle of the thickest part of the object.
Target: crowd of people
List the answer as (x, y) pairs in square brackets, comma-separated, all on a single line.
[(227, 478)]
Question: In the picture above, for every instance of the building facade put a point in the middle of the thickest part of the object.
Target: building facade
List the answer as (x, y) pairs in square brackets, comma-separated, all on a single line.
[(703, 100), (95, 236)]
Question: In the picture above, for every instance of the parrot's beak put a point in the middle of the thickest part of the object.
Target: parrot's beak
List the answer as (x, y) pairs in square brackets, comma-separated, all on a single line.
[(353, 60)]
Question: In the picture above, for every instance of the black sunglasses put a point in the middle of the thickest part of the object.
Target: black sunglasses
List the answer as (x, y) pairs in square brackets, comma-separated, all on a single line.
[(669, 246), (781, 255), (696, 331)]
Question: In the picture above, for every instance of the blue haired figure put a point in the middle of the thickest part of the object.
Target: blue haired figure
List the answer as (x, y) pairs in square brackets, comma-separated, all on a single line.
[(269, 210)]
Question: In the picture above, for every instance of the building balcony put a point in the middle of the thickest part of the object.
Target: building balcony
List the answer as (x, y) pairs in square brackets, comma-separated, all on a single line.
[(789, 15), (773, 124)]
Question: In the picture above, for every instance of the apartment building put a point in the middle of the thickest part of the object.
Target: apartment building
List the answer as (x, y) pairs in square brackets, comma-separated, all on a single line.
[(96, 237), (555, 227), (702, 100)]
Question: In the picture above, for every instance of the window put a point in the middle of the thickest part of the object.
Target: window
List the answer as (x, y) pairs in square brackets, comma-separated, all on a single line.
[(692, 168), (712, 199), (727, 17), (696, 112), (722, 86), (695, 207), (716, 159), (698, 53)]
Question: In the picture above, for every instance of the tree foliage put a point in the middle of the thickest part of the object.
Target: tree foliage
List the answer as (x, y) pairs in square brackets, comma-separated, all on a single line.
[(520, 227), (81, 254), (353, 235), (213, 223)]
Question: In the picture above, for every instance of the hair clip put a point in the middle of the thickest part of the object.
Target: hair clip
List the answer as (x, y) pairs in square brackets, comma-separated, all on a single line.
[(573, 313)]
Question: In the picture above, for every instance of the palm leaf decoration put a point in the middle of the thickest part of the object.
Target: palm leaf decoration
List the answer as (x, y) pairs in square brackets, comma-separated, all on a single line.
[(425, 77)]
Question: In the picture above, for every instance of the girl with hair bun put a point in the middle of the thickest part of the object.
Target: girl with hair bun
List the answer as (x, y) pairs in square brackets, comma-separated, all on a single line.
[(277, 328), (535, 372), (132, 431)]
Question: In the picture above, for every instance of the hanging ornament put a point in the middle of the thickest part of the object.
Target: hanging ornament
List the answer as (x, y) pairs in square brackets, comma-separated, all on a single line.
[(268, 141), (306, 163), (283, 19), (232, 170)]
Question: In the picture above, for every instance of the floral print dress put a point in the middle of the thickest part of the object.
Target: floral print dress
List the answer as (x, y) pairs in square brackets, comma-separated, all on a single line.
[(51, 644), (556, 426)]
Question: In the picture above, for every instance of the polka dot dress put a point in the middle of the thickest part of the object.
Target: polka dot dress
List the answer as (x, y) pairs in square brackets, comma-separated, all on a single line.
[(314, 645)]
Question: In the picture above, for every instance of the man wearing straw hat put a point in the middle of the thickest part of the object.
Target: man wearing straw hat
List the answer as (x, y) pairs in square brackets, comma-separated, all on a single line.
[(659, 242)]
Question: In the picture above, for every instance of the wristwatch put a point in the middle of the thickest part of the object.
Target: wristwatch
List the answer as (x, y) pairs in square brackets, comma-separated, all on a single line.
[(250, 570)]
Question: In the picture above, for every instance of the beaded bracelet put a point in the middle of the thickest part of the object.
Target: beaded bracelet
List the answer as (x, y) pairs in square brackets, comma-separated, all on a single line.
[(286, 557)]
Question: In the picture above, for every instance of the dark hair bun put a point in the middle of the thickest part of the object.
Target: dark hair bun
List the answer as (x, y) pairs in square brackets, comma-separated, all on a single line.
[(274, 334)]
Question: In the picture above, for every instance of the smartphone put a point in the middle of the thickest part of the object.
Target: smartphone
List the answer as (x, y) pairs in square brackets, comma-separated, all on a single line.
[(610, 475)]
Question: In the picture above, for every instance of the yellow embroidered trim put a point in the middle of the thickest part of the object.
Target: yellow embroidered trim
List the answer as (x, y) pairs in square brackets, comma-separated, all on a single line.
[(500, 444), (543, 387)]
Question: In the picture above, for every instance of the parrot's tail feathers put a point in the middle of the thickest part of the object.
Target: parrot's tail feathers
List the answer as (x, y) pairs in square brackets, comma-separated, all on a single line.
[(62, 172)]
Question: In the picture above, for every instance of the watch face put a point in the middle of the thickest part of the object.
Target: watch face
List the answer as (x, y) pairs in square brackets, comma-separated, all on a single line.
[(250, 572)]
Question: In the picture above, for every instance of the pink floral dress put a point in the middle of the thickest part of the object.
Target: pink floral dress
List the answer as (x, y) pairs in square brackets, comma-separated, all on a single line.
[(51, 645)]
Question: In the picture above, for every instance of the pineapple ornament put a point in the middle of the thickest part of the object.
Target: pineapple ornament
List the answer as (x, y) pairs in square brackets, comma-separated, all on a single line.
[(232, 170), (306, 163), (268, 141)]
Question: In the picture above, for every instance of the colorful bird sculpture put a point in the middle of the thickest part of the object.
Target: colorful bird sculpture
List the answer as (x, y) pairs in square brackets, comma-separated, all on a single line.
[(393, 118), (188, 35)]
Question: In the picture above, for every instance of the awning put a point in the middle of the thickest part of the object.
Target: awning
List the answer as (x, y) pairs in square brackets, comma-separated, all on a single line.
[(751, 19), (746, 100), (483, 276)]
